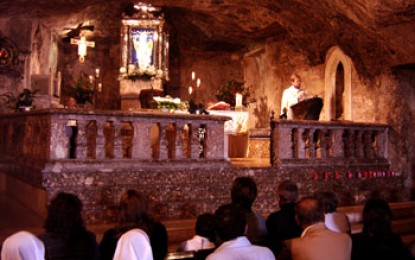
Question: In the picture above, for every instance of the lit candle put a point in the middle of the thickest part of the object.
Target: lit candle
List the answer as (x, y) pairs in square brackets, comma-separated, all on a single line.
[(198, 82), (91, 79), (99, 87), (190, 90), (238, 100), (97, 73), (193, 75)]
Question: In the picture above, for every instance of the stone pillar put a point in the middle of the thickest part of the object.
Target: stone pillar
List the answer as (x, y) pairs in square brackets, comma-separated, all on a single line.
[(301, 143), (59, 139), (81, 139), (100, 140), (141, 140), (282, 142), (214, 141), (164, 151), (337, 144)]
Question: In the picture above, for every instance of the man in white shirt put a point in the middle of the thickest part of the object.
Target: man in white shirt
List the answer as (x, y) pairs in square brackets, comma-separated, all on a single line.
[(291, 96), (231, 225)]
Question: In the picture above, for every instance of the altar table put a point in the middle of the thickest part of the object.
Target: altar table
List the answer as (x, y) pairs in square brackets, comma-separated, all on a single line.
[(236, 132)]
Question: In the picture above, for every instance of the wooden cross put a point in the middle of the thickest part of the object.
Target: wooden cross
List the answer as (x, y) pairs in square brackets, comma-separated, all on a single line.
[(82, 46)]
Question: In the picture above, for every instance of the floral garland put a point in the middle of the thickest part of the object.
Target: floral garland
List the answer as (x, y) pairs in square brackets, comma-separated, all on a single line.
[(134, 74), (170, 103)]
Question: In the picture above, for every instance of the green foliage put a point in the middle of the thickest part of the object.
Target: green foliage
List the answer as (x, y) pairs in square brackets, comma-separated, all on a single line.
[(228, 92), (23, 99), (82, 90)]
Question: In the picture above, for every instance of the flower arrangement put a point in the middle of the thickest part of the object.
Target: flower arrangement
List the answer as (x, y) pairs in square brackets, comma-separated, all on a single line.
[(227, 92), (140, 74), (170, 103), (82, 90)]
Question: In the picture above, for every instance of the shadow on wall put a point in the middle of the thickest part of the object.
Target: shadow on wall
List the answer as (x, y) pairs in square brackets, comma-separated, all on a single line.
[(262, 113)]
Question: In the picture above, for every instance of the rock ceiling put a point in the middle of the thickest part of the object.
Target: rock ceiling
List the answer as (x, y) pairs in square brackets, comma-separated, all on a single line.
[(382, 31)]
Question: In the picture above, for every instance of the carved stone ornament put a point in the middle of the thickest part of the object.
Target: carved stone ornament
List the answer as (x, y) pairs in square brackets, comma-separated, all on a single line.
[(9, 57)]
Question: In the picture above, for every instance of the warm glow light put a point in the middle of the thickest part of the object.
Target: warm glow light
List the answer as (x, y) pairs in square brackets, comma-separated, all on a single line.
[(156, 36), (123, 70), (190, 90), (193, 75), (97, 71), (82, 49), (198, 82)]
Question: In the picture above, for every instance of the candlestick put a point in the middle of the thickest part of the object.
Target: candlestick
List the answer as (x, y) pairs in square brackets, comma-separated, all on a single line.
[(238, 101)]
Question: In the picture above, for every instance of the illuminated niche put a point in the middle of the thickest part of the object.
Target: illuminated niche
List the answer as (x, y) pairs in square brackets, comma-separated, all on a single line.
[(144, 45)]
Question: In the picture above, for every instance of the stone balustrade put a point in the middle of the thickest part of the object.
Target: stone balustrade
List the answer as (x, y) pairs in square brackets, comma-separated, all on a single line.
[(296, 143), (61, 134)]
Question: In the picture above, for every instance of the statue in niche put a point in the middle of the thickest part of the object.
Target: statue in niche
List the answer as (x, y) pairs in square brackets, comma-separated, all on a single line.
[(143, 48)]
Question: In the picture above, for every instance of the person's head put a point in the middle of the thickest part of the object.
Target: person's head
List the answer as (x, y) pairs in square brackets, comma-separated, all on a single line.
[(287, 192), (64, 219), (134, 244), (71, 103), (377, 217), (22, 246), (230, 222), (309, 211), (328, 200), (205, 226), (243, 192), (295, 80), (133, 207)]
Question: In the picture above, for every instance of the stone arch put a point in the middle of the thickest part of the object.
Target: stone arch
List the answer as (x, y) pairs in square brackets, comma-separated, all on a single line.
[(334, 57)]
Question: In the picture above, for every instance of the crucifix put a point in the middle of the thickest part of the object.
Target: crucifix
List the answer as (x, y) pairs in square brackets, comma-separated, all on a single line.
[(82, 46)]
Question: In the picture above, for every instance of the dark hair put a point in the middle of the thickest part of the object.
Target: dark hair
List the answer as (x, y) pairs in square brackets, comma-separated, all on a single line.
[(377, 217), (64, 219), (133, 211), (230, 222), (244, 192), (309, 211), (205, 226), (328, 200), (288, 191)]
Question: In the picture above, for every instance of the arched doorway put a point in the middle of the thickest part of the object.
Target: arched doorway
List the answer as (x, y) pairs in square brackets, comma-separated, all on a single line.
[(338, 80)]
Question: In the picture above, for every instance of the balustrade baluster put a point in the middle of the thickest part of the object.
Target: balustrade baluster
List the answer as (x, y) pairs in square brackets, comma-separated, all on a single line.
[(194, 137), (301, 143), (100, 140), (178, 152), (163, 140), (337, 144), (214, 145), (118, 153), (367, 142)]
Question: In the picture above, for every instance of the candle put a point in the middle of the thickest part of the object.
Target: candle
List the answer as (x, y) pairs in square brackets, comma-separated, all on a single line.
[(97, 73), (99, 87), (198, 82), (190, 90), (91, 79), (238, 100), (193, 75)]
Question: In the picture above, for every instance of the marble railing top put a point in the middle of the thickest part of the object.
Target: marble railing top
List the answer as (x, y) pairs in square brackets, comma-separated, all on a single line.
[(341, 124), (142, 113)]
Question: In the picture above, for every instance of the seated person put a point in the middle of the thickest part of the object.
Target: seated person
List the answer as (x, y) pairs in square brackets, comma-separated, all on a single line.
[(205, 235), (22, 246), (243, 195), (230, 223), (133, 244), (377, 241), (317, 242), (66, 236), (134, 214), (281, 224), (335, 221)]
